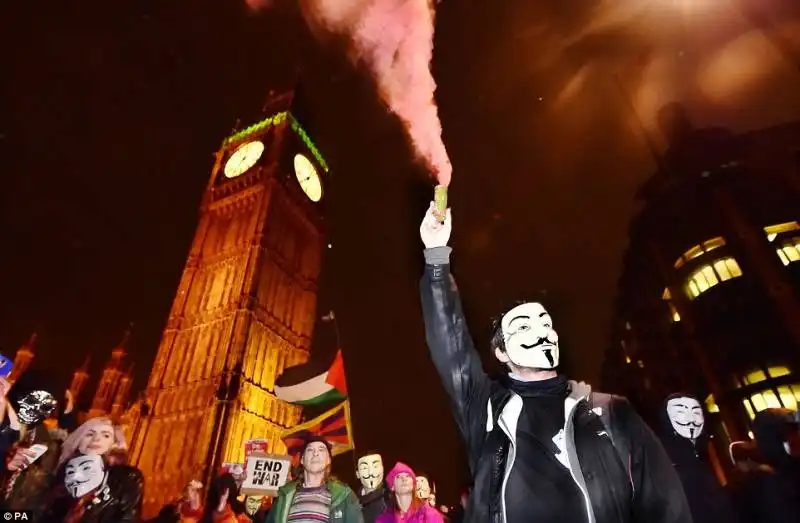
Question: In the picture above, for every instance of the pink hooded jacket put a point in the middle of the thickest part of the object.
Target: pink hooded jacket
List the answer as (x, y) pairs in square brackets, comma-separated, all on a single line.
[(424, 514)]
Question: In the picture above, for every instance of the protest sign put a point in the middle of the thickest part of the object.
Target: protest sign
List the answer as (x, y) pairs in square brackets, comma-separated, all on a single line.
[(266, 473)]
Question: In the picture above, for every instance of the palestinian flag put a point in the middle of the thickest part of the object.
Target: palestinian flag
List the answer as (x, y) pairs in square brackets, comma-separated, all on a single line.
[(334, 425), (312, 384)]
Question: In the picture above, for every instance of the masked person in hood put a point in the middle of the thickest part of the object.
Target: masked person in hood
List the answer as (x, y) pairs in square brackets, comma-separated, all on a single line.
[(374, 496), (540, 447), (685, 439)]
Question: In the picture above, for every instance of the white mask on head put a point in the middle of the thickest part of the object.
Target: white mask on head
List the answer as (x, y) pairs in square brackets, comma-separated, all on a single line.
[(370, 472), (423, 488), (83, 474), (686, 416), (530, 340)]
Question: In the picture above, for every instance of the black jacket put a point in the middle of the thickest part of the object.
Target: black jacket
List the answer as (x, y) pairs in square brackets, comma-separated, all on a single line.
[(374, 503), (119, 502), (642, 489), (708, 500)]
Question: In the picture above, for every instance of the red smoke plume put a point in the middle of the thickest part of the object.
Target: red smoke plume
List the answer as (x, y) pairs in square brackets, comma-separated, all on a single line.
[(394, 38)]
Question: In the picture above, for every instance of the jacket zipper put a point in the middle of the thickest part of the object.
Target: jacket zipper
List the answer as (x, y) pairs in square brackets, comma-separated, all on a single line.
[(507, 472)]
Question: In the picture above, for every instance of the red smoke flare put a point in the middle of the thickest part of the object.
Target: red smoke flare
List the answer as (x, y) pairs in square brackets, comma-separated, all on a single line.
[(394, 38)]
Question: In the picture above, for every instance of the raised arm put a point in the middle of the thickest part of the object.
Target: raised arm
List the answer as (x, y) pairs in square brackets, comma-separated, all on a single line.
[(446, 332)]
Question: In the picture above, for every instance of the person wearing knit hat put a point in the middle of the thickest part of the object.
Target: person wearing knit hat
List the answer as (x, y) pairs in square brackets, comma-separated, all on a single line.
[(315, 497), (405, 506)]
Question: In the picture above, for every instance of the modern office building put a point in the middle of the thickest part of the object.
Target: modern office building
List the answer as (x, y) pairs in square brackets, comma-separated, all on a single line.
[(708, 296)]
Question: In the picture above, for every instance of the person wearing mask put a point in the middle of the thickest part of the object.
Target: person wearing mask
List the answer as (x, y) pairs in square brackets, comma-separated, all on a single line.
[(373, 499), (684, 436), (406, 506), (540, 447), (315, 497), (31, 462), (97, 492)]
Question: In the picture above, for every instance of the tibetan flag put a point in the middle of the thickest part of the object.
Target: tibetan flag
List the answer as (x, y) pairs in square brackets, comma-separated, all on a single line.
[(311, 384), (334, 425)]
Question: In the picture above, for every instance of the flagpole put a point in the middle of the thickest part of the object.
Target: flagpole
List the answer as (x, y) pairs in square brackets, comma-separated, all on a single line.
[(331, 317)]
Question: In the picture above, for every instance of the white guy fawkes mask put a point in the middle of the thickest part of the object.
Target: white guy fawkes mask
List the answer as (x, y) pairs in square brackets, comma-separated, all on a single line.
[(530, 339), (84, 474), (686, 416), (423, 488), (370, 472)]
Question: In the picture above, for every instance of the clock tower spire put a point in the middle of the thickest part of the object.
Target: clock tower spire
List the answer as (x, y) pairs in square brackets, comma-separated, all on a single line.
[(244, 308)]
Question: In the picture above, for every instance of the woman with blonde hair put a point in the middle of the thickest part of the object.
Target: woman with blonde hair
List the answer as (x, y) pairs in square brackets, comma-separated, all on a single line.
[(96, 436)]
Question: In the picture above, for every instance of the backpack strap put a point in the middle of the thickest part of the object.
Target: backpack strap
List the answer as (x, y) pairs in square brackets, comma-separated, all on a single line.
[(601, 405)]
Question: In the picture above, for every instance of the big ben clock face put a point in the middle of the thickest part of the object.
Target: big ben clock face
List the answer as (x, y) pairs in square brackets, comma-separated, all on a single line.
[(243, 159), (308, 178)]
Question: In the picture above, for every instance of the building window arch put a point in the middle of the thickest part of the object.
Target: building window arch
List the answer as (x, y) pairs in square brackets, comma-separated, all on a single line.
[(699, 250), (710, 275), (768, 395)]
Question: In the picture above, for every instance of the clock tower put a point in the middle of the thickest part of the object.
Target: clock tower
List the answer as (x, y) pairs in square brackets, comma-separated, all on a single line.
[(244, 309)]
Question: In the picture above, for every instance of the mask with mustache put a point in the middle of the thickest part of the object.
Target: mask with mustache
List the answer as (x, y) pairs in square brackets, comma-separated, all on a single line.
[(370, 472), (686, 416), (530, 340), (84, 474)]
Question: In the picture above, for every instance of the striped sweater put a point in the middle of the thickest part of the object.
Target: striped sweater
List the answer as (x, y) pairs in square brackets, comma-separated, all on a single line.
[(310, 505)]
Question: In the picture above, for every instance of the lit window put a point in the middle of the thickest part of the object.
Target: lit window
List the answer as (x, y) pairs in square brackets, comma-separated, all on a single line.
[(755, 377), (733, 267), (675, 316), (777, 372), (771, 399), (711, 405), (758, 402), (708, 276), (749, 409), (790, 251), (787, 397), (698, 250), (773, 231)]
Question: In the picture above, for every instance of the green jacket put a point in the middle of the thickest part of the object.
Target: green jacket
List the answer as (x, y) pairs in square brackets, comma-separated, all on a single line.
[(345, 507)]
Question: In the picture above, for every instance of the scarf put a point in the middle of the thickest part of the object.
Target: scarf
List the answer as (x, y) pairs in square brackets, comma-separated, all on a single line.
[(551, 387)]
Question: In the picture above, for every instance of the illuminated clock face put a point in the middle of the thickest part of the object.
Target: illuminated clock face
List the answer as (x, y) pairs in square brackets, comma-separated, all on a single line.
[(308, 178), (243, 159)]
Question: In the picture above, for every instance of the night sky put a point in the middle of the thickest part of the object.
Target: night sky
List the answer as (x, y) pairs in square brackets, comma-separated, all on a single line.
[(111, 113)]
